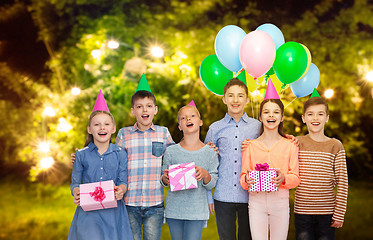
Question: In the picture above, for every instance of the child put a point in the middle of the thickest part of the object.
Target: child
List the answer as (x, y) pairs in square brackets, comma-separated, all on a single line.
[(230, 200), (100, 161), (187, 211), (271, 147), (145, 144), (322, 166)]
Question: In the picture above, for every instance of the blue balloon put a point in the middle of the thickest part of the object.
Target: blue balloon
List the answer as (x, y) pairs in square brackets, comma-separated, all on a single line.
[(227, 46), (305, 85), (274, 32)]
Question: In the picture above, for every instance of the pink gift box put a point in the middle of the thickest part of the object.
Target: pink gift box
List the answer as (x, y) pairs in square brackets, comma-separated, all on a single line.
[(182, 176), (97, 195), (262, 180)]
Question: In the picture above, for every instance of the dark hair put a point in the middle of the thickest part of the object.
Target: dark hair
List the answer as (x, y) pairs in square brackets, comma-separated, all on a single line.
[(142, 94), (235, 82), (89, 137), (281, 105), (315, 101)]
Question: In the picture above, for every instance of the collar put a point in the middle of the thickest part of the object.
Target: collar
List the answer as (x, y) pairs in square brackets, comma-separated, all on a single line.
[(228, 118), (136, 128), (111, 148)]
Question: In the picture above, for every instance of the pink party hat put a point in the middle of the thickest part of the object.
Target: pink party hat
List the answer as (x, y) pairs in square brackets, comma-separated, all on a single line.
[(192, 104), (271, 92), (100, 104)]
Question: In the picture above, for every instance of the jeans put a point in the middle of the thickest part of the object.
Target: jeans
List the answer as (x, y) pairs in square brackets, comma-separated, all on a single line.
[(269, 208), (226, 214), (314, 227), (185, 229), (146, 219)]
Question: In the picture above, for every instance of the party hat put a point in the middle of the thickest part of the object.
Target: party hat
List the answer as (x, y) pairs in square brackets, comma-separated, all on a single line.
[(143, 84), (192, 104), (271, 92), (315, 93), (100, 104)]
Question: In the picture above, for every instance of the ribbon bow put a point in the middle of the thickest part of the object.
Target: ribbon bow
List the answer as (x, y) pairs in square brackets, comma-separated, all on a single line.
[(262, 167), (98, 194)]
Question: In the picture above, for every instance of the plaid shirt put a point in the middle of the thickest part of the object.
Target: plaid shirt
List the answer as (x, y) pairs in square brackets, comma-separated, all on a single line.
[(145, 151)]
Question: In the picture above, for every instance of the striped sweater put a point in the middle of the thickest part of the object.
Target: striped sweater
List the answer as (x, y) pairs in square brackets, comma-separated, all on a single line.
[(322, 167)]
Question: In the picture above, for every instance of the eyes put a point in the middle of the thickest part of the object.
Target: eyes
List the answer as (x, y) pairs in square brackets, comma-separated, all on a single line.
[(184, 117), (310, 114), (148, 106), (275, 112)]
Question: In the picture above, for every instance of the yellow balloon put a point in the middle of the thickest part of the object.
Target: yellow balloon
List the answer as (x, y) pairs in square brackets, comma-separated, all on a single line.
[(309, 58)]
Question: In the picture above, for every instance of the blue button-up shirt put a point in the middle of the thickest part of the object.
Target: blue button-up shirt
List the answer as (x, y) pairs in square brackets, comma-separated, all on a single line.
[(227, 135)]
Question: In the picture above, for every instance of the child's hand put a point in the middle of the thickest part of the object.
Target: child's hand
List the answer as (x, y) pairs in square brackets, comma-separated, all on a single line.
[(211, 208), (202, 174), (244, 144), (249, 180), (336, 224), (292, 138), (214, 147), (119, 191), (76, 193), (73, 156), (277, 181), (165, 178)]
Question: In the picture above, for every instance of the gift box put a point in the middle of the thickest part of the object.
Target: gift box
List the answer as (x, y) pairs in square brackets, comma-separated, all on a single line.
[(262, 178), (182, 176), (97, 195)]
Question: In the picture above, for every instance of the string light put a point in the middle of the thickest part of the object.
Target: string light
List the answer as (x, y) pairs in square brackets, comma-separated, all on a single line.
[(112, 44), (63, 125), (44, 147), (46, 163), (75, 91), (96, 54), (369, 76), (49, 111), (329, 93), (157, 52)]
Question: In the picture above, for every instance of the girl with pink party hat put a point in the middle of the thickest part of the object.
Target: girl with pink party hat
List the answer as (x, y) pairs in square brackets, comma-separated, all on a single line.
[(274, 149), (98, 161)]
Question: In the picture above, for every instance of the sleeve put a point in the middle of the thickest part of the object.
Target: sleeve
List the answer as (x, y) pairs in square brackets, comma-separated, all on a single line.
[(77, 174), (246, 156), (166, 162), (169, 140), (122, 170), (210, 199), (341, 177), (213, 170), (120, 139), (292, 178), (209, 136)]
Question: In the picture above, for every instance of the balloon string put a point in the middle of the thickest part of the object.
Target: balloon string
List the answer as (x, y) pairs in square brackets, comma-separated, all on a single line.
[(282, 89), (290, 102)]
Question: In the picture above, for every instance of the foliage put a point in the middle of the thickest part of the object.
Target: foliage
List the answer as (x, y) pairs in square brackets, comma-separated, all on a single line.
[(338, 34)]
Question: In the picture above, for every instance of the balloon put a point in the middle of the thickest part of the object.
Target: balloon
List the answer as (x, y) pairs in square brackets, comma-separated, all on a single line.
[(309, 59), (227, 46), (274, 32), (214, 75), (257, 53), (291, 62), (306, 84)]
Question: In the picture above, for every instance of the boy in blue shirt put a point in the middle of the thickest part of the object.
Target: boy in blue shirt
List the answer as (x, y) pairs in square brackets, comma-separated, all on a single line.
[(230, 200)]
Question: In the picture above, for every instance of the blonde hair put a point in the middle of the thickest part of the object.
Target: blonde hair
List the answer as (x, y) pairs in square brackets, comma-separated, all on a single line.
[(89, 137), (178, 114)]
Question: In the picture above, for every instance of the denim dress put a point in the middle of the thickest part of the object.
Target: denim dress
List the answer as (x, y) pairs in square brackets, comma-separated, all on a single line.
[(89, 167)]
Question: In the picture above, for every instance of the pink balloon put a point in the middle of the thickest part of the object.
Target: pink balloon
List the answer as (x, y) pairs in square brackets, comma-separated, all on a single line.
[(257, 53)]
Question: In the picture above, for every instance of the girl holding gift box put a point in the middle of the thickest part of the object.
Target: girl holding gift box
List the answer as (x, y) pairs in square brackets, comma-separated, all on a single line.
[(271, 147), (99, 161), (187, 211)]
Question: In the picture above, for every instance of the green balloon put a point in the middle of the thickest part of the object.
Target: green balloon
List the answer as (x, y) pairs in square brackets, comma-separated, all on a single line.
[(214, 75), (291, 62), (242, 77)]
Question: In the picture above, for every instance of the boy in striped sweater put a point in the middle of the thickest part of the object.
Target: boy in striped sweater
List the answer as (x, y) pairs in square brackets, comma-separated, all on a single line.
[(322, 167)]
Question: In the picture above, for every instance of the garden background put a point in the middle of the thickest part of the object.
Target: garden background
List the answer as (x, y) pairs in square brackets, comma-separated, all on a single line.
[(56, 55)]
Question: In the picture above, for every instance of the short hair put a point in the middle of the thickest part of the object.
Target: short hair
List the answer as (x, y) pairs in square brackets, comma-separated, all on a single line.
[(89, 137), (141, 94), (235, 82), (281, 105), (315, 101)]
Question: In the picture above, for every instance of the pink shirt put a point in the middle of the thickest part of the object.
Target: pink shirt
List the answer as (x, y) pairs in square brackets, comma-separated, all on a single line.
[(283, 155)]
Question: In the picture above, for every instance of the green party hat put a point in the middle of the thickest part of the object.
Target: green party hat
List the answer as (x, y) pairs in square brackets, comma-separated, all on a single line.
[(143, 84), (315, 93)]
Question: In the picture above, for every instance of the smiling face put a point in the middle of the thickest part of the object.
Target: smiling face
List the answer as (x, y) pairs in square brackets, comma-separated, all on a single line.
[(235, 98), (144, 110), (189, 119), (101, 127), (271, 115), (315, 118)]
